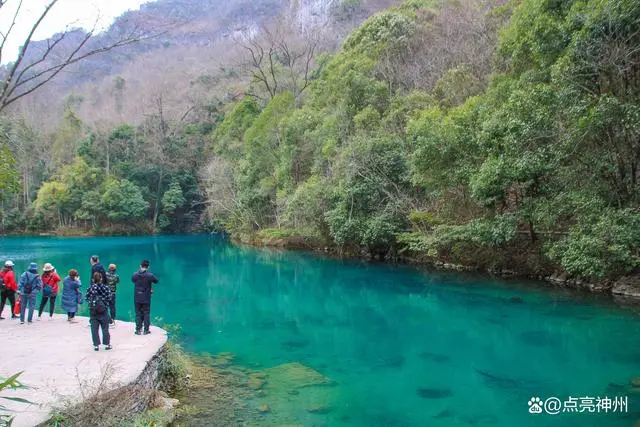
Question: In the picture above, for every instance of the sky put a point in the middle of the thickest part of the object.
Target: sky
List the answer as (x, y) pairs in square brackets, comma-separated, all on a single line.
[(66, 13)]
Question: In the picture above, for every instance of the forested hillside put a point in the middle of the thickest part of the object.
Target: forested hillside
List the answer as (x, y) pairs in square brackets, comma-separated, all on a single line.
[(496, 135), (502, 136), (115, 143)]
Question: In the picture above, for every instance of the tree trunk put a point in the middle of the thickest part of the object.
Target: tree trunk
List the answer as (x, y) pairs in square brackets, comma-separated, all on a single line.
[(108, 157), (532, 233), (156, 210)]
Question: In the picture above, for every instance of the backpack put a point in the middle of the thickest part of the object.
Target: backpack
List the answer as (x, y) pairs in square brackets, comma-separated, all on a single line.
[(28, 287), (97, 306), (47, 289), (3, 287)]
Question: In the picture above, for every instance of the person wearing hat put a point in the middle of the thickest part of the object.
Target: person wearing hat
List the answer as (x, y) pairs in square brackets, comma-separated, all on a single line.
[(8, 288), (112, 281), (50, 281), (29, 285)]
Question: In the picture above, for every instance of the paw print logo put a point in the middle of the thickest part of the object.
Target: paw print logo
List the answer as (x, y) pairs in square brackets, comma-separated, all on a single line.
[(535, 405)]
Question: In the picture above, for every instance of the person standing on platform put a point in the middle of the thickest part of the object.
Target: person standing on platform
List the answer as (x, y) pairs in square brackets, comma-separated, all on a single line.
[(143, 281), (96, 267), (71, 295), (8, 288), (112, 281), (29, 285), (50, 281), (98, 297)]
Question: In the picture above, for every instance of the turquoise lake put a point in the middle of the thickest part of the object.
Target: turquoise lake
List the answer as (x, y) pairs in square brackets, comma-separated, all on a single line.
[(406, 347)]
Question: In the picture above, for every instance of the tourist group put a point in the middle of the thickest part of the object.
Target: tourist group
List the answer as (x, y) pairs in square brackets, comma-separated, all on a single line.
[(100, 296)]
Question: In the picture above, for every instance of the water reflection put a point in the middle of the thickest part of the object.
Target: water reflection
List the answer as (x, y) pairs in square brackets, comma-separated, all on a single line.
[(401, 347)]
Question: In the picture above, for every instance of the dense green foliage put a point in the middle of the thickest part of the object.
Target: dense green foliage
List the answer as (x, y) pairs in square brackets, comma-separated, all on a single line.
[(539, 152), (497, 136), (131, 180)]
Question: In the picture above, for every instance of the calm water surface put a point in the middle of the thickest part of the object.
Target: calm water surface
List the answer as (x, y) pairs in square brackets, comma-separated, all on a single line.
[(406, 347)]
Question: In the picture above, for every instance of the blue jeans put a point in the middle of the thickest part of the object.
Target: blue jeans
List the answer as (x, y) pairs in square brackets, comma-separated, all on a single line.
[(30, 301)]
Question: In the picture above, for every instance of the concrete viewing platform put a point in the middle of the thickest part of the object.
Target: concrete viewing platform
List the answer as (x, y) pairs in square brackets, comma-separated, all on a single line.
[(60, 365)]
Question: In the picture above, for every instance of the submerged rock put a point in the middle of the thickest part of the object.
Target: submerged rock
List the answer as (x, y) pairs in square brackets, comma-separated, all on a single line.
[(160, 400), (497, 381), (294, 375), (264, 408), (223, 359), (319, 409), (447, 413), (293, 392), (438, 358), (255, 383), (616, 388), (635, 382), (434, 393)]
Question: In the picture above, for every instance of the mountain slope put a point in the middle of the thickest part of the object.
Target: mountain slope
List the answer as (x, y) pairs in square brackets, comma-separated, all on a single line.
[(196, 47)]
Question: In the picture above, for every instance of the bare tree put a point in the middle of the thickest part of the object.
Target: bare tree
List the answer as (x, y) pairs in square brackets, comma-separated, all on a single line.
[(279, 58), (31, 70), (461, 35), (161, 130), (219, 187)]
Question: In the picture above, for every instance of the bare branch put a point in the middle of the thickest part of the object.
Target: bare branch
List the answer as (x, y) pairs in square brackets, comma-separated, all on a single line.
[(13, 23), (48, 50), (56, 69), (9, 81), (280, 59), (23, 79)]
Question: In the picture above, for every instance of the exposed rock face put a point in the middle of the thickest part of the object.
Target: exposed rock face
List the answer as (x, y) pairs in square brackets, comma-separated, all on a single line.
[(148, 381), (563, 278), (312, 13), (628, 286)]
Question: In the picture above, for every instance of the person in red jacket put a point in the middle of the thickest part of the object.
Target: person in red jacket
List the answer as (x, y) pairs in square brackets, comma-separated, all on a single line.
[(50, 280), (9, 288)]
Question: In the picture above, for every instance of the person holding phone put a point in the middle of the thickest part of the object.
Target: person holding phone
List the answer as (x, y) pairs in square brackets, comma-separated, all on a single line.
[(71, 295), (143, 279)]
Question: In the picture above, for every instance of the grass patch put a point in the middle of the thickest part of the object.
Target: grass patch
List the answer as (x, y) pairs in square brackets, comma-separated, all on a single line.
[(175, 369), (278, 233)]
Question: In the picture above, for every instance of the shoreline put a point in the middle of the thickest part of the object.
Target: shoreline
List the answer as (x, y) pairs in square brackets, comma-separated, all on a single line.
[(626, 287)]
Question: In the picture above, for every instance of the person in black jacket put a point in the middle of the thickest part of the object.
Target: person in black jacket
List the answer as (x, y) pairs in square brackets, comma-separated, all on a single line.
[(96, 267), (143, 279)]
